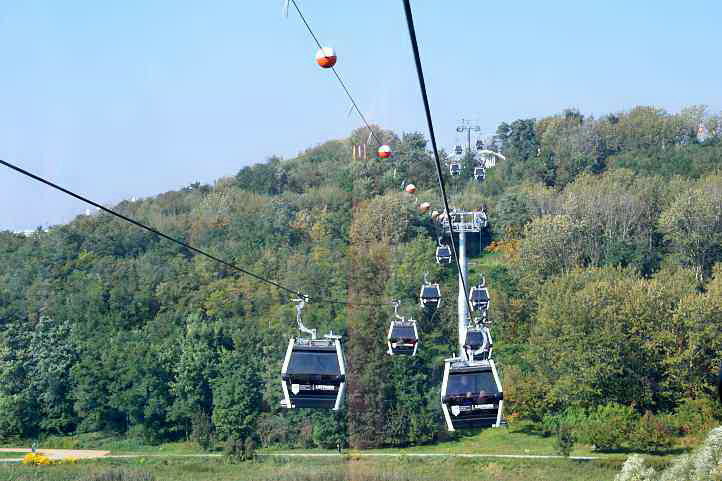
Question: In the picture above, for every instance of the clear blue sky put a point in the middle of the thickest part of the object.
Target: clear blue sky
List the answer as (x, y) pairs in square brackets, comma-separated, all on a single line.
[(134, 98)]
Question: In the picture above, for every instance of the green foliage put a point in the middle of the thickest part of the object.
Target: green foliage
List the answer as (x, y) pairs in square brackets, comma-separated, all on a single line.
[(604, 289), (609, 426), (694, 226), (694, 416), (564, 440), (237, 392), (651, 434)]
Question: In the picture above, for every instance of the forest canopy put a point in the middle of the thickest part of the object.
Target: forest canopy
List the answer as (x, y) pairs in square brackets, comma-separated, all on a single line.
[(602, 256)]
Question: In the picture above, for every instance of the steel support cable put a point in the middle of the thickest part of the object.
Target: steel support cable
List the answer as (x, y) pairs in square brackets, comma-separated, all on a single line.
[(422, 86), (179, 242), (338, 77)]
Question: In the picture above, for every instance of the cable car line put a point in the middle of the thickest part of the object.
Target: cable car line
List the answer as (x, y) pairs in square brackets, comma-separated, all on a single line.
[(338, 77), (425, 98), (180, 242)]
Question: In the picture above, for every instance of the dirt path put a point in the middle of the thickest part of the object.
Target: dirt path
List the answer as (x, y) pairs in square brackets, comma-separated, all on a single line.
[(56, 453), (432, 455)]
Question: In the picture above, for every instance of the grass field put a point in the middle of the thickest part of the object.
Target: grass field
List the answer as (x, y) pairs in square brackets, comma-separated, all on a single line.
[(12, 455), (327, 469), (151, 465), (517, 439)]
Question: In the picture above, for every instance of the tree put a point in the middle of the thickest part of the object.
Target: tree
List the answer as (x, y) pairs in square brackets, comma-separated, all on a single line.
[(693, 225), (551, 245), (238, 391)]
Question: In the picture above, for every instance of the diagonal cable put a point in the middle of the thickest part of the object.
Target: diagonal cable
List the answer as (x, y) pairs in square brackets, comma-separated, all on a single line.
[(338, 76), (177, 241), (422, 85)]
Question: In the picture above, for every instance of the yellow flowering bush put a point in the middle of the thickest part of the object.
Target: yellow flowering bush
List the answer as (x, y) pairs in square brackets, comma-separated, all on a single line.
[(36, 459)]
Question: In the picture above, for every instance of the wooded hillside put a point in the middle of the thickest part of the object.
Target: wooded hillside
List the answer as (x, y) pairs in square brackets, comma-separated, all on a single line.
[(601, 257)]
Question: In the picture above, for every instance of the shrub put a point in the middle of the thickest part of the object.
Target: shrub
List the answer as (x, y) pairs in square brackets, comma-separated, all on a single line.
[(550, 424), (36, 459), (696, 415), (609, 426), (249, 449), (573, 417), (651, 434), (233, 450), (564, 441), (527, 395), (202, 430)]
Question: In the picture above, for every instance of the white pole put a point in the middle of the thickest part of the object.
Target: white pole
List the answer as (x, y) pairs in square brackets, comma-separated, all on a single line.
[(463, 308)]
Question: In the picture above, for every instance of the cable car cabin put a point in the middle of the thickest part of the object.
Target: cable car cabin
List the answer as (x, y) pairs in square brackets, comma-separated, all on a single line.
[(479, 145), (479, 173), (471, 394), (479, 298), (455, 168), (458, 150), (403, 337), (430, 296), (313, 374), (443, 255), (477, 343)]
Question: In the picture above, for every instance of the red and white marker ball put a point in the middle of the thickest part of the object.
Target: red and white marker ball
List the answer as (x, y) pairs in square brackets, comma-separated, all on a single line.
[(326, 57), (384, 151), (410, 189)]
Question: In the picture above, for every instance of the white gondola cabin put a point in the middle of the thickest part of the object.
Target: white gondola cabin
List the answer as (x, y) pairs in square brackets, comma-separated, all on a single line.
[(403, 338), (455, 168), (477, 343), (430, 296), (443, 255), (313, 374), (471, 394), (479, 298), (479, 173)]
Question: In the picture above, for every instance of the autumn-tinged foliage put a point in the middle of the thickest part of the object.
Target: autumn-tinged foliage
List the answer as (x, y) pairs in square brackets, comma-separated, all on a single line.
[(603, 262)]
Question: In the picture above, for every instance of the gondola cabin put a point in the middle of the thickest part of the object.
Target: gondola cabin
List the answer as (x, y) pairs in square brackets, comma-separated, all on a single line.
[(477, 343), (471, 394), (313, 374), (479, 145), (403, 338), (430, 296), (458, 150), (443, 255), (479, 173), (479, 298), (455, 168)]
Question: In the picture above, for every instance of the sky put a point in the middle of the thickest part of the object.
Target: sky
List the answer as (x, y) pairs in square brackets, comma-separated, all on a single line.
[(117, 100)]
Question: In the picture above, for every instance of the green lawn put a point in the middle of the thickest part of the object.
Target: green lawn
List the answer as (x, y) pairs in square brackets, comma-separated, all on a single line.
[(4, 455), (518, 439)]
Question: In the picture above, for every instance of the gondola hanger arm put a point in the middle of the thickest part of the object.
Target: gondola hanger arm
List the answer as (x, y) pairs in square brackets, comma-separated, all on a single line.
[(300, 303)]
